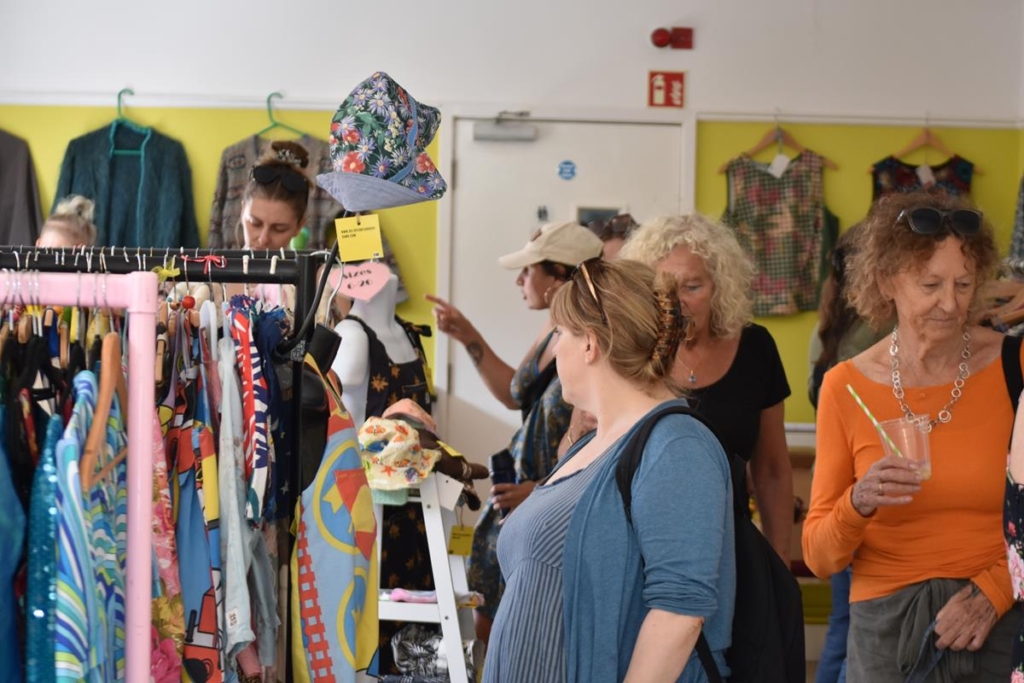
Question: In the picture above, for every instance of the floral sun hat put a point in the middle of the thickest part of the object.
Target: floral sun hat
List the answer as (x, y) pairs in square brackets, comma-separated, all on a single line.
[(379, 137), (392, 454)]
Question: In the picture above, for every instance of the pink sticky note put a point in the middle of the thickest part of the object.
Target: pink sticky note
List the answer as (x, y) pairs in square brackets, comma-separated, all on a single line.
[(361, 281)]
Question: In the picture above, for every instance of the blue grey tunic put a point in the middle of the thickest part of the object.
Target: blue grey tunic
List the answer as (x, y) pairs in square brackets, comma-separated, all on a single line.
[(527, 643)]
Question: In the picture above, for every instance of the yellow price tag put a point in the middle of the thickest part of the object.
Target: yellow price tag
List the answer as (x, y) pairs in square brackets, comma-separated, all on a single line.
[(461, 541), (359, 238), (451, 451)]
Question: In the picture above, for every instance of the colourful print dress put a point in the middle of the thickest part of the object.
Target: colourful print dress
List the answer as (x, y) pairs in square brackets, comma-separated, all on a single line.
[(107, 513), (336, 557), (255, 401), (80, 625), (168, 611), (191, 447), (41, 610), (12, 539), (782, 223), (892, 175)]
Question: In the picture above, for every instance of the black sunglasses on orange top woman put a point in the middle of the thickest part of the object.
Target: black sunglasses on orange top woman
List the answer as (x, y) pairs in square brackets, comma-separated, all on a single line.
[(926, 220)]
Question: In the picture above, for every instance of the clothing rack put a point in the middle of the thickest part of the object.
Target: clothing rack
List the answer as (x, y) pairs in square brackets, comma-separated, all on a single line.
[(137, 293), (227, 266), (197, 266)]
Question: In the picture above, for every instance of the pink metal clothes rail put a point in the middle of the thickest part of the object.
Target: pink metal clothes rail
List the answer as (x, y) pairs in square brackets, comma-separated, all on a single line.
[(137, 293)]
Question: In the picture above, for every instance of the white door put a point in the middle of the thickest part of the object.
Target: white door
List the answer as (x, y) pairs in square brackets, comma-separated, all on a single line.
[(502, 192)]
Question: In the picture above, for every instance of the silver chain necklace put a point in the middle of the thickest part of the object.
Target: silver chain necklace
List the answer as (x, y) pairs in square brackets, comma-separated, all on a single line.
[(945, 415)]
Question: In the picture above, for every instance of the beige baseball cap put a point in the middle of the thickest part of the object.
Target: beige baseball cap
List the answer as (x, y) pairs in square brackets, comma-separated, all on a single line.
[(567, 242)]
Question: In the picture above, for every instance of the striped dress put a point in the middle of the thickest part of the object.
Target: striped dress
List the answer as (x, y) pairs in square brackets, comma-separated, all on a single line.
[(80, 625), (527, 643), (107, 517)]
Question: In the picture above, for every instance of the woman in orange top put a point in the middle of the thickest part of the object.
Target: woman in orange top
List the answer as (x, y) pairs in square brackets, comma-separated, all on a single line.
[(930, 581)]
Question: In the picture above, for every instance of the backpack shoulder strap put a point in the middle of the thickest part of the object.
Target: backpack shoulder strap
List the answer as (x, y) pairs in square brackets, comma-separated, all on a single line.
[(1012, 370), (633, 452), (707, 660), (629, 462)]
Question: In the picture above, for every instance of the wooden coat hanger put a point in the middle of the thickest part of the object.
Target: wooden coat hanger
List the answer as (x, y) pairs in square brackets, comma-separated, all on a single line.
[(783, 138), (926, 138), (25, 327), (162, 341), (64, 329), (112, 382), (5, 332)]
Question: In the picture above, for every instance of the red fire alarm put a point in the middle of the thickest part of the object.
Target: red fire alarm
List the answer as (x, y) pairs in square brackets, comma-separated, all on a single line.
[(676, 38)]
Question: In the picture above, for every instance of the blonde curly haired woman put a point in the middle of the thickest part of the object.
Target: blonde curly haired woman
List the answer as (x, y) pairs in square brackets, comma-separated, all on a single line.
[(729, 367)]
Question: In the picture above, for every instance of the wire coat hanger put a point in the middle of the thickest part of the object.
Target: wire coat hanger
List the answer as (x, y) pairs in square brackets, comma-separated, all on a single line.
[(123, 120), (274, 123)]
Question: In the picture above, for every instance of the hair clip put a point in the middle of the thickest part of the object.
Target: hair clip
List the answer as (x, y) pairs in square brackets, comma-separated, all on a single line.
[(288, 156)]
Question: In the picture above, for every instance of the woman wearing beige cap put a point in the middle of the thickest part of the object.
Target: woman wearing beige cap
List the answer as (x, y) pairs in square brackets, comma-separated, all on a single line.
[(544, 265)]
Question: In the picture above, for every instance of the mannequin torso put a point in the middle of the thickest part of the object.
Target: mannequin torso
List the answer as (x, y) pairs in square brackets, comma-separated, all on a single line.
[(352, 363)]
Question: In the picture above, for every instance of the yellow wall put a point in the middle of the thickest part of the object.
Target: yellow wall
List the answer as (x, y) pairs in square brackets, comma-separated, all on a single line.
[(848, 195), (412, 230), (205, 133)]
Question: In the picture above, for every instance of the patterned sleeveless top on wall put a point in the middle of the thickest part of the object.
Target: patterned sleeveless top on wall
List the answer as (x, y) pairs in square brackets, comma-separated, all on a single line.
[(782, 223), (892, 175)]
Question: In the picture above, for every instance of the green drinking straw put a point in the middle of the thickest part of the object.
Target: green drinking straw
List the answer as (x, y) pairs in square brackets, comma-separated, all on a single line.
[(874, 421)]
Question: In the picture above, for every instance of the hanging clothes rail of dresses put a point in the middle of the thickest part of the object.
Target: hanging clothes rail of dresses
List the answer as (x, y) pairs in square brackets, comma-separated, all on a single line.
[(137, 294), (222, 266), (197, 266)]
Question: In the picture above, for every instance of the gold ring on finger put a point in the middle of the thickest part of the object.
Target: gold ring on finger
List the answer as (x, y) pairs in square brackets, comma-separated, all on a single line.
[(880, 492)]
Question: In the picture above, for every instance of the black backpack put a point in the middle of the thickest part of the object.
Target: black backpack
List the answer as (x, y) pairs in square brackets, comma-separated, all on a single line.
[(768, 624)]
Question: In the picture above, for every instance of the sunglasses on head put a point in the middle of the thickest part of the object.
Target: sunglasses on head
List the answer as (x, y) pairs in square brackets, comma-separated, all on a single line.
[(292, 181), (924, 220), (582, 268)]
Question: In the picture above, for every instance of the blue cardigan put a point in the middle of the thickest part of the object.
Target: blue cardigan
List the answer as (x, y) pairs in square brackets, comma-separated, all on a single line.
[(680, 558), (141, 201)]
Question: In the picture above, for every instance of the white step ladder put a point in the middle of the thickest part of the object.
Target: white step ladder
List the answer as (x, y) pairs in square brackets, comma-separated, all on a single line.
[(438, 495)]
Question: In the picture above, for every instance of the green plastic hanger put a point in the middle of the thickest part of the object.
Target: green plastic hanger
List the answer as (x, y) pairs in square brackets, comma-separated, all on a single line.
[(274, 123), (123, 120)]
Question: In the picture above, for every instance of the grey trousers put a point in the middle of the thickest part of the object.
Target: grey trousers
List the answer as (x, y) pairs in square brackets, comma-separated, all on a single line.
[(876, 630)]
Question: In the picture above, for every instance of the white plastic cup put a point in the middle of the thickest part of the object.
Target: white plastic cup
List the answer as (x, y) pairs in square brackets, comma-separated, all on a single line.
[(911, 437)]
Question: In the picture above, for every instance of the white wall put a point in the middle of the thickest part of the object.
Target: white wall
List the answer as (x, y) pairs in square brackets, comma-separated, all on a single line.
[(1020, 89), (948, 58)]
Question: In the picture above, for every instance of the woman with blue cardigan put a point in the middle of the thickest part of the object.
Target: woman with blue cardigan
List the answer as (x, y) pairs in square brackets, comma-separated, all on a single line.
[(592, 596)]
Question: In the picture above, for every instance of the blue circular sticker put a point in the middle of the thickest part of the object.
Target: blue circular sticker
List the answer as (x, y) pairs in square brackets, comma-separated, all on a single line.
[(567, 170)]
